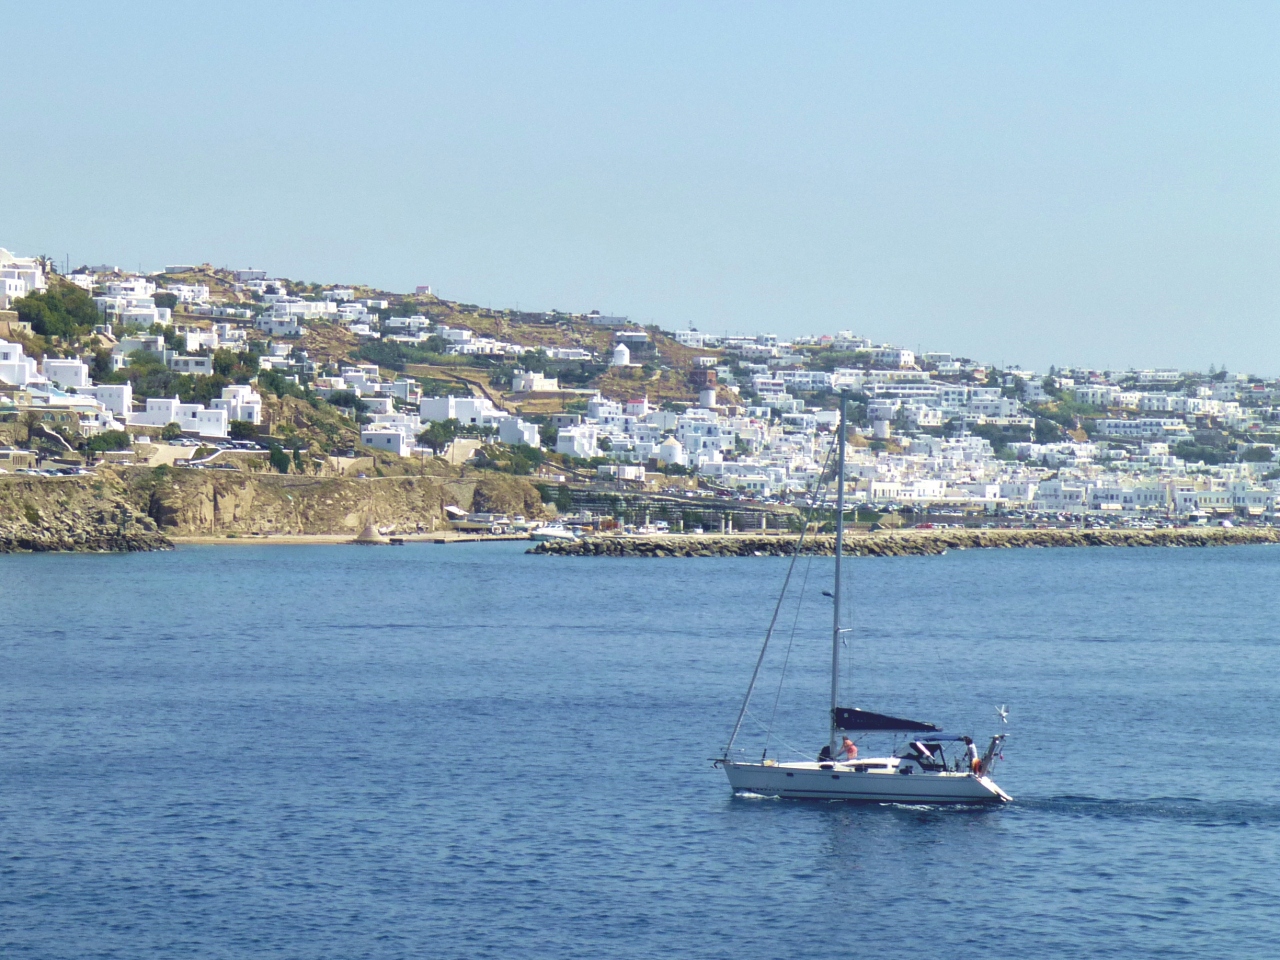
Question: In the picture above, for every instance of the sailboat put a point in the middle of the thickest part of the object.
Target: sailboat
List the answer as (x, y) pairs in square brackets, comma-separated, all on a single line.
[(917, 772)]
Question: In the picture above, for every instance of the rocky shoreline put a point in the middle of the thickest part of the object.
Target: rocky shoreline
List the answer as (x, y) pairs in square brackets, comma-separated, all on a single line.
[(907, 543), (75, 515)]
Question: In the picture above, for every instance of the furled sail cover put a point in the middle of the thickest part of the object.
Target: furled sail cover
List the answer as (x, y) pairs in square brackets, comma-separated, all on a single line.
[(851, 718)]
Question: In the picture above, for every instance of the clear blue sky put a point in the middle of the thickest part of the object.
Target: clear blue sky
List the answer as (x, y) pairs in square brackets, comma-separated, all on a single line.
[(1089, 183)]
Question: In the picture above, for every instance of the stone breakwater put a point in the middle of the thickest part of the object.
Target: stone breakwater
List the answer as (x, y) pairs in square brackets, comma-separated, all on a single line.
[(907, 543), (73, 514)]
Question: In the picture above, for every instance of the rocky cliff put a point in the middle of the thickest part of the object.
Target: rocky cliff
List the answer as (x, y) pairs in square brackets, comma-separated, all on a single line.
[(207, 502), (88, 513)]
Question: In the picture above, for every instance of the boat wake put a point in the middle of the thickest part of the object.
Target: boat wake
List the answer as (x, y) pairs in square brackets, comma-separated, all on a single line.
[(1186, 809), (939, 807)]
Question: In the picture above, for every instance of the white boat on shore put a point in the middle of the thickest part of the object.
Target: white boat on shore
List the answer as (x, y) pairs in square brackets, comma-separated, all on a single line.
[(918, 770), (552, 531)]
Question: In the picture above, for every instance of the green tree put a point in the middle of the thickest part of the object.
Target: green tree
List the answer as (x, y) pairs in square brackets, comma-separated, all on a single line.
[(171, 431), (1000, 437), (547, 433), (1047, 431), (64, 310), (237, 367), (564, 498), (276, 382), (1257, 455), (349, 399), (165, 299), (108, 440), (1192, 452), (100, 368), (439, 434), (242, 430), (278, 458), (30, 422), (831, 359), (525, 459), (298, 462)]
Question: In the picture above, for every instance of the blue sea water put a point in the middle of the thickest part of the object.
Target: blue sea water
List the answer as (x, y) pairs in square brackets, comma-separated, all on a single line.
[(464, 751)]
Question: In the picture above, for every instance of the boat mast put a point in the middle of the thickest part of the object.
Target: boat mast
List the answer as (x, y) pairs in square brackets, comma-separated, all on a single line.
[(835, 593)]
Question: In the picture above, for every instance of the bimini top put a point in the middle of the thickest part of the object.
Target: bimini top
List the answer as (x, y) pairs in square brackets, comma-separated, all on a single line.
[(851, 718)]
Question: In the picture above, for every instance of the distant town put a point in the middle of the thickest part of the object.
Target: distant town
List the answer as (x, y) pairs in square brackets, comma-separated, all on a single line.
[(196, 367)]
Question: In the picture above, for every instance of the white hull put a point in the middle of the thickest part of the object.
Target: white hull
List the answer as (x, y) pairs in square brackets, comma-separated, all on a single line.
[(552, 533), (809, 781)]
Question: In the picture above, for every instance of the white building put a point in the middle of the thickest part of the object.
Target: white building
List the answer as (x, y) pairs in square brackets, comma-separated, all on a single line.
[(201, 340), (1099, 395), (891, 356), (195, 366), (578, 441), (275, 326), (66, 373), (621, 356), (690, 338), (189, 292), (116, 397), (133, 311), (18, 277), (568, 353), (1145, 428), (386, 438), (16, 367), (522, 382), (1061, 496), (513, 431), (137, 288), (671, 451), (468, 410), (240, 403), (303, 309), (191, 417)]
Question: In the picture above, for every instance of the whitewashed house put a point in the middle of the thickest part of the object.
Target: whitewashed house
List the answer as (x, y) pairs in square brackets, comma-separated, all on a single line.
[(467, 410), (513, 430), (578, 441), (16, 367), (386, 437), (116, 397), (18, 277), (201, 366), (191, 417), (240, 402), (66, 372)]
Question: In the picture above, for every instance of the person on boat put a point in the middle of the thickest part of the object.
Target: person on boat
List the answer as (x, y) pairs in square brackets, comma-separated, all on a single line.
[(971, 752), (849, 749)]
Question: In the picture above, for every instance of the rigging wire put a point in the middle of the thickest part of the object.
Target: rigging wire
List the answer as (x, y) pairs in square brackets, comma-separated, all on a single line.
[(777, 608), (798, 751), (787, 658)]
